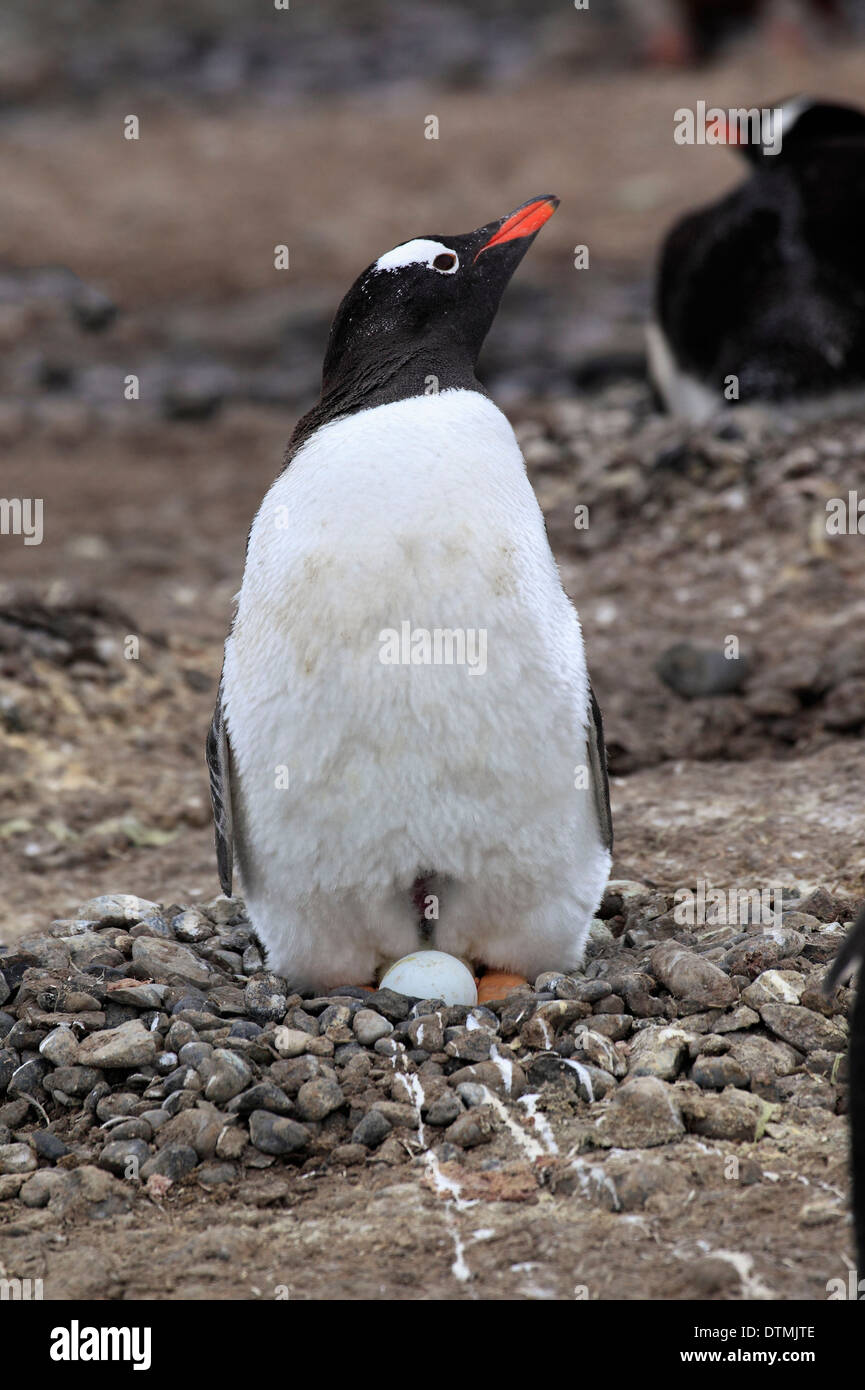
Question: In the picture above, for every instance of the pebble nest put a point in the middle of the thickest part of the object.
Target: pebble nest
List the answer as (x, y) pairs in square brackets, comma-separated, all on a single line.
[(143, 1045)]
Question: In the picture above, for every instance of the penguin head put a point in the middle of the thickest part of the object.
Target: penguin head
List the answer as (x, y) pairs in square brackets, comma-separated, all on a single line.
[(434, 296), (803, 123)]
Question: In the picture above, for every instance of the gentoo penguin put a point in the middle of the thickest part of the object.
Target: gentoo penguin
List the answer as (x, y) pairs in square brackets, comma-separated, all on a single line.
[(406, 750), (761, 296), (849, 959)]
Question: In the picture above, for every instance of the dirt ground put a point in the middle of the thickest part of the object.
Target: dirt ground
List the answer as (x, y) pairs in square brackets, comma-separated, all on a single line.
[(102, 777), (386, 1235)]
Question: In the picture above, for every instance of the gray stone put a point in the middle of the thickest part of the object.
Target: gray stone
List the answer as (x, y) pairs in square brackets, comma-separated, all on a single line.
[(299, 1018), (134, 1127), (774, 987), (694, 672), (549, 1019), (49, 1146), (231, 1143), (130, 1045), (252, 961), (506, 1079), (658, 1051), (592, 1083), (197, 1129), (591, 991), (124, 1157), (802, 1028), (708, 1045), (592, 1046), (398, 1112), (600, 935), (690, 977), (14, 1113), (60, 1048), (17, 1158), (191, 926), (318, 1098), (178, 1035), (290, 1042), (116, 909), (616, 1027), (214, 1174), (371, 1130), (9, 1063), (266, 996), (369, 1027), (589, 1081), (764, 1059), (467, 1045), (476, 1126), (226, 1075), (290, 1073), (636, 988), (734, 1114), (808, 1092), (263, 1096), (641, 1114), (170, 962), (155, 1118), (742, 1017), (482, 1016), (37, 1190), (395, 1007), (760, 950), (174, 1162), (116, 1104), (274, 1134), (426, 1032), (137, 996), (90, 1192), (444, 1110), (192, 1054), (73, 1081), (714, 1073), (471, 1093), (181, 1100), (28, 1078)]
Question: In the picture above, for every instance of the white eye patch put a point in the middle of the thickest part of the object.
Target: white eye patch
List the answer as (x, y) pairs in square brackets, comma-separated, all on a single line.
[(420, 252)]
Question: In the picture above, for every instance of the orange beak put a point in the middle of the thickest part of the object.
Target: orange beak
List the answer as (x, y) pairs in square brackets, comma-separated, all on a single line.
[(525, 221)]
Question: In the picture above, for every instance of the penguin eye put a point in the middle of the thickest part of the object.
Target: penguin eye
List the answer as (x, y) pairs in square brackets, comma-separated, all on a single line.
[(447, 261)]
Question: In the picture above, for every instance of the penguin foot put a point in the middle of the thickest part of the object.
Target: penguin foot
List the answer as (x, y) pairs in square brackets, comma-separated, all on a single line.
[(495, 984)]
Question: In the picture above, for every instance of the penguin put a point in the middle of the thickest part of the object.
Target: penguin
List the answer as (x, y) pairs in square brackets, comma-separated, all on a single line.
[(760, 298), (849, 959), (406, 751)]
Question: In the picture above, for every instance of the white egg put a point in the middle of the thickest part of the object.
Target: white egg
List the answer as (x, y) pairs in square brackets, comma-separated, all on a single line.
[(432, 975)]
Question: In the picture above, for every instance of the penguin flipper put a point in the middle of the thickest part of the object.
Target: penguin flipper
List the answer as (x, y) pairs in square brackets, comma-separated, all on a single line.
[(598, 770), (219, 767), (849, 957)]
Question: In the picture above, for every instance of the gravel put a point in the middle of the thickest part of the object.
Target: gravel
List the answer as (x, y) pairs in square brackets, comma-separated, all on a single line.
[(190, 1069)]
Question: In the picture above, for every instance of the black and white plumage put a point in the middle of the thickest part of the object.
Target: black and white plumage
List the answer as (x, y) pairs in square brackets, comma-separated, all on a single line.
[(766, 287), (344, 785)]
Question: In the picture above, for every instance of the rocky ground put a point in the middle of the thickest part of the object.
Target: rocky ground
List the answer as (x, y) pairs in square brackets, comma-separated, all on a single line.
[(664, 1101)]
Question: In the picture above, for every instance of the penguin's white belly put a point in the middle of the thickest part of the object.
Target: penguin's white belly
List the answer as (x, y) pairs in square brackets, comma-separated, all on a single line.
[(405, 694)]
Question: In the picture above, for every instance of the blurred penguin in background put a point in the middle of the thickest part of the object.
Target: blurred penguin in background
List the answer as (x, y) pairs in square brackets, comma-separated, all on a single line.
[(760, 297)]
